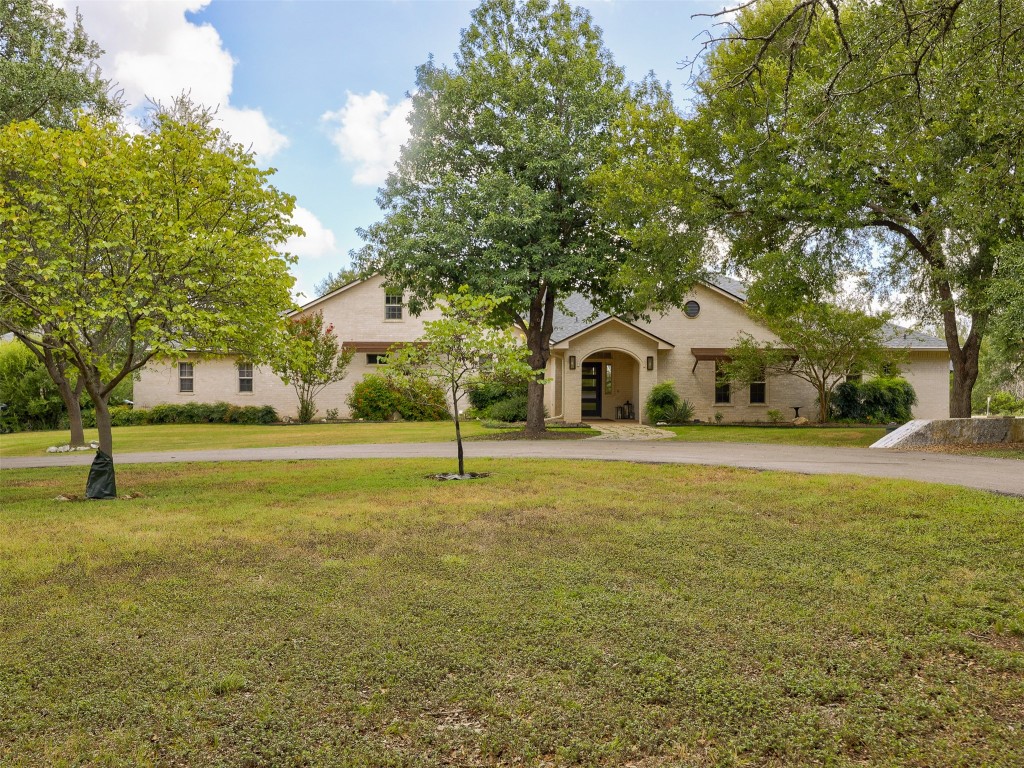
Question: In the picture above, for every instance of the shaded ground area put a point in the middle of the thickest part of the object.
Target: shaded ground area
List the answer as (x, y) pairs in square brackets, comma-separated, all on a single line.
[(356, 613)]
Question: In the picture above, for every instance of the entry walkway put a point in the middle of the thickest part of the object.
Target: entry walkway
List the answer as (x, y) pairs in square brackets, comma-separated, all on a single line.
[(627, 430), (999, 475)]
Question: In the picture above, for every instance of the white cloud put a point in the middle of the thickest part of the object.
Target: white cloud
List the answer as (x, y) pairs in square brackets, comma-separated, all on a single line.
[(369, 133), (318, 240), (153, 50)]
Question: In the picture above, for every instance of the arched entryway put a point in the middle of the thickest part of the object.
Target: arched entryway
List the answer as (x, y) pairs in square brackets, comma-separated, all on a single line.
[(610, 386)]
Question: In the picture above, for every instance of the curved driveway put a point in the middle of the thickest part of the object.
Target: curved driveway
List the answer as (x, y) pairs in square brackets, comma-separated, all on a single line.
[(999, 475)]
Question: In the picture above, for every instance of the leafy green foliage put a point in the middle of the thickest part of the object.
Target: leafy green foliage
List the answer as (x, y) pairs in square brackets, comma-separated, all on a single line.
[(378, 398), (512, 409), (125, 247), (877, 400), (48, 67), (491, 191), (187, 413), (878, 141), (30, 396), (310, 358), (451, 351), (1006, 404), (819, 343), (665, 405), (499, 400)]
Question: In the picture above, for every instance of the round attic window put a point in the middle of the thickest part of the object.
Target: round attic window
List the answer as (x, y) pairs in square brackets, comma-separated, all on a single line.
[(691, 309)]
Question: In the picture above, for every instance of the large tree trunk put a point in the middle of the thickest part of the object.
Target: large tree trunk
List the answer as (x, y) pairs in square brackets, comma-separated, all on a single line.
[(103, 426), (535, 406), (74, 407), (965, 374), (538, 341), (70, 395), (965, 362)]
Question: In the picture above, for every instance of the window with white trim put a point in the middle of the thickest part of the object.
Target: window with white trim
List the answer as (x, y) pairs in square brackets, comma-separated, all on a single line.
[(392, 306), (377, 358), (186, 377), (245, 377)]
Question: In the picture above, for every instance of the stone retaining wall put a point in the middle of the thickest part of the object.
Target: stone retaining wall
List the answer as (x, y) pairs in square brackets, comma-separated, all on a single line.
[(963, 431)]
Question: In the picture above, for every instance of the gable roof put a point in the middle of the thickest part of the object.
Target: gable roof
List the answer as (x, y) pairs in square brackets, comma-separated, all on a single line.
[(579, 311), (662, 343), (579, 315)]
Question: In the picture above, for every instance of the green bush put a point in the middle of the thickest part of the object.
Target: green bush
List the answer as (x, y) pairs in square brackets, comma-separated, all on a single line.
[(33, 400), (376, 398), (188, 413), (1005, 404), (483, 393), (509, 410), (123, 416), (877, 400), (664, 404)]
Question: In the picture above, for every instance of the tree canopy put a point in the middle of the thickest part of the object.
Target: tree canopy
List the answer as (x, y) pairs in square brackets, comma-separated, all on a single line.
[(310, 358), (876, 142), (48, 66), (492, 190), (469, 335), (128, 247), (819, 343)]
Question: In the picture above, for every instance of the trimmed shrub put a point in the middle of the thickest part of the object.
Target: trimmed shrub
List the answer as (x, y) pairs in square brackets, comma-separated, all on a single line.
[(512, 409), (189, 413), (375, 398), (664, 404), (483, 393), (874, 401), (124, 416), (498, 400)]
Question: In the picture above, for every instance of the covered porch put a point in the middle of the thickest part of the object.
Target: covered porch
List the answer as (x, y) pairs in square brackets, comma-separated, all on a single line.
[(604, 372)]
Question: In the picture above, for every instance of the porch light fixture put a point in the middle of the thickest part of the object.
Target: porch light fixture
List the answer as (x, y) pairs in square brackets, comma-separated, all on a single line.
[(650, 363), (572, 362)]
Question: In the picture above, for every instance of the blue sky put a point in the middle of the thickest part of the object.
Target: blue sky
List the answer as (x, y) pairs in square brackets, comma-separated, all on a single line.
[(317, 88)]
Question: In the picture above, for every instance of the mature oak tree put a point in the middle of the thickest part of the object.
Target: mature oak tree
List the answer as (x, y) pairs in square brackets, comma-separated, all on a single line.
[(880, 141), (48, 67), (491, 191), (128, 247)]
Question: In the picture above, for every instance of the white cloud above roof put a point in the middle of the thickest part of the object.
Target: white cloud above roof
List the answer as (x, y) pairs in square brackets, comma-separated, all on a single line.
[(369, 132), (153, 51), (317, 242)]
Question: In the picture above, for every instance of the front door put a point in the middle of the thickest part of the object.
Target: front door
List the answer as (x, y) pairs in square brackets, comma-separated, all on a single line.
[(590, 389)]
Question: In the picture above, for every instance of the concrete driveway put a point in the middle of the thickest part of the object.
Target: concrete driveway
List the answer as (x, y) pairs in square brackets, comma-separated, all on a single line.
[(1000, 475)]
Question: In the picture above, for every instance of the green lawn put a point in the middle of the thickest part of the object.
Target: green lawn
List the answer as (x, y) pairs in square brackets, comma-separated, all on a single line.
[(176, 437), (355, 613), (843, 437)]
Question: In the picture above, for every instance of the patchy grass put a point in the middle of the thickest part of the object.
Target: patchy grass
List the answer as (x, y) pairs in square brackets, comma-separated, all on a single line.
[(357, 613), (177, 437), (992, 450), (839, 437)]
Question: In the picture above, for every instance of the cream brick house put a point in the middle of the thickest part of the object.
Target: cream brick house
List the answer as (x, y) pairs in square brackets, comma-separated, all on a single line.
[(601, 366)]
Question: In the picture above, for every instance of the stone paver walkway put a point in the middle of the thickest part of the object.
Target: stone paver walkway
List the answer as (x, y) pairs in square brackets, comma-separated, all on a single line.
[(627, 430)]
